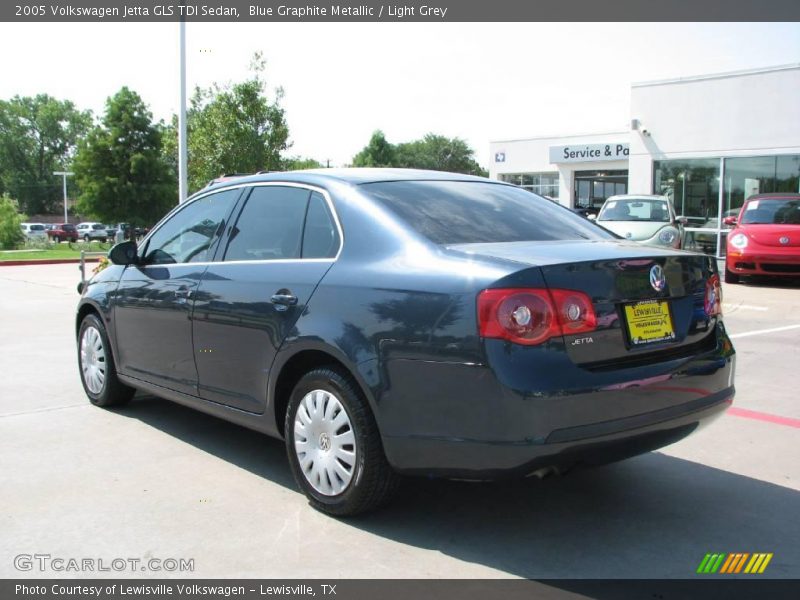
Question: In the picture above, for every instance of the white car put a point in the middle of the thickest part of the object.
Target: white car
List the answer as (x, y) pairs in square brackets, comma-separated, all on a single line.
[(92, 231), (34, 231), (646, 219)]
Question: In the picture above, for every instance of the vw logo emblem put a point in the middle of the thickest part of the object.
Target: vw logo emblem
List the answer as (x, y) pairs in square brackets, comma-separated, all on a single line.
[(657, 279), (629, 235), (784, 240), (324, 442)]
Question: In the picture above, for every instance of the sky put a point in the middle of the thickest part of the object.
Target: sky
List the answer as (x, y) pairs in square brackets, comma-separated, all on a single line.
[(342, 81)]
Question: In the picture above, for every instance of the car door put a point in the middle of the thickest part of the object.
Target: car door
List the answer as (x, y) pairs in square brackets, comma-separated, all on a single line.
[(153, 302), (284, 240)]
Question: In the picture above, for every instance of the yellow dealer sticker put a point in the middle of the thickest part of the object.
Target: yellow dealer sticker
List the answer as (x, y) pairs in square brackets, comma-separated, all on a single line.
[(649, 321)]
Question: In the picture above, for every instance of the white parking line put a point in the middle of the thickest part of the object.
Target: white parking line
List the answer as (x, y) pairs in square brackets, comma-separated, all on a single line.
[(727, 306), (762, 331)]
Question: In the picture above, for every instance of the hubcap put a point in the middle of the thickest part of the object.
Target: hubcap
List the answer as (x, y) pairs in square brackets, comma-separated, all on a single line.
[(93, 360), (324, 442)]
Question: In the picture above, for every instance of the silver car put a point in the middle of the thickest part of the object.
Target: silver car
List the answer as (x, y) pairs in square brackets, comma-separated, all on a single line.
[(93, 231), (647, 219), (34, 231)]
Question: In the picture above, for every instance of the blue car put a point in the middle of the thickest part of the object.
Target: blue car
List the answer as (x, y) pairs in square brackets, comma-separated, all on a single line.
[(398, 322)]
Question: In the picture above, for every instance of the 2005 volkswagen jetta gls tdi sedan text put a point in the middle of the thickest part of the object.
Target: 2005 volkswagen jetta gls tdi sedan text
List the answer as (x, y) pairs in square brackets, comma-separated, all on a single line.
[(388, 322)]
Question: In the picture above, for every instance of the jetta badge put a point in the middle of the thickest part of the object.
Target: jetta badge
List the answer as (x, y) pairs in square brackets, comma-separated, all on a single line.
[(784, 240), (657, 279)]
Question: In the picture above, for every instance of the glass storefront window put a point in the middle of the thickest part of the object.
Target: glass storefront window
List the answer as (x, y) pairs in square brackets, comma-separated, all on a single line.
[(691, 185), (544, 184)]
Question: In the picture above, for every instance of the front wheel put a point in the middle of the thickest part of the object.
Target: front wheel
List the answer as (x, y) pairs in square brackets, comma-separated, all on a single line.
[(97, 369), (334, 447), (57, 239), (731, 277), (86, 239)]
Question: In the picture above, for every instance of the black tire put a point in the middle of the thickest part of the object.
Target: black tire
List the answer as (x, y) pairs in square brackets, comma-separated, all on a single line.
[(86, 239), (57, 239), (112, 392), (373, 481), (731, 277)]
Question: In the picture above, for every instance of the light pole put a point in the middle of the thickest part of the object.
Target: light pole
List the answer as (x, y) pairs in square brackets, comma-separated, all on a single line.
[(182, 155), (64, 175)]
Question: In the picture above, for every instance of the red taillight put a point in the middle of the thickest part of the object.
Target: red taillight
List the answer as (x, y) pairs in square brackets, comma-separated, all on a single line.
[(713, 299), (532, 316)]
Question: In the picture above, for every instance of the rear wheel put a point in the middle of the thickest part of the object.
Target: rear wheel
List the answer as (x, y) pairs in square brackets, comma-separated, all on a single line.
[(731, 277), (57, 239), (334, 447), (97, 369)]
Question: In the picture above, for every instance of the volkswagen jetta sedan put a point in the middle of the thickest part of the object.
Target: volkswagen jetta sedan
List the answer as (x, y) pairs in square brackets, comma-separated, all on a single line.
[(389, 322)]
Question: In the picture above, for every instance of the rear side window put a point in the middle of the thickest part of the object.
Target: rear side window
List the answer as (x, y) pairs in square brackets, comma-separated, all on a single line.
[(320, 237), (270, 226), (460, 212)]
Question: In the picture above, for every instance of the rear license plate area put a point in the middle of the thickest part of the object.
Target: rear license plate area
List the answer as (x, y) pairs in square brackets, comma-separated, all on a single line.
[(649, 322)]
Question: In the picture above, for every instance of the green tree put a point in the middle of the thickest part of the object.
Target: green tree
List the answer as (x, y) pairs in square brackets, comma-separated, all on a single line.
[(38, 135), (120, 167), (378, 153), (10, 233), (297, 163), (232, 129), (434, 152), (439, 153)]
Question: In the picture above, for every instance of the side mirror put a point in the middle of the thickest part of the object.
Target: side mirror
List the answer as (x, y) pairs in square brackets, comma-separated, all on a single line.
[(124, 253), (729, 221), (682, 220)]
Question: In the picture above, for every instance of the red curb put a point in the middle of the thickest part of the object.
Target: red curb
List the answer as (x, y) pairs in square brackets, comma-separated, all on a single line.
[(45, 261)]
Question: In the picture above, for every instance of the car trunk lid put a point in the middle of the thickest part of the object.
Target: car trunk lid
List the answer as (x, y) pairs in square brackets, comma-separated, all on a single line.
[(649, 302)]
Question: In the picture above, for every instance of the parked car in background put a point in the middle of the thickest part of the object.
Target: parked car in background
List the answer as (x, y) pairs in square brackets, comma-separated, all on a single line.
[(63, 232), (647, 219), (93, 231), (34, 231), (389, 321), (765, 239), (126, 230)]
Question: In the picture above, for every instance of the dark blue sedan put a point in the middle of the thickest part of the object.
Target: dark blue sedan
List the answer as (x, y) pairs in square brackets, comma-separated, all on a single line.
[(388, 322)]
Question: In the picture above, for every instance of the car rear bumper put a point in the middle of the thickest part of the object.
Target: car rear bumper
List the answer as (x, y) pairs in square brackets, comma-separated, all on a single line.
[(605, 442), (473, 426)]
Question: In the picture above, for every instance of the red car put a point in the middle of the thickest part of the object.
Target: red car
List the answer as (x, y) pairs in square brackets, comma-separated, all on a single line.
[(63, 231), (766, 237)]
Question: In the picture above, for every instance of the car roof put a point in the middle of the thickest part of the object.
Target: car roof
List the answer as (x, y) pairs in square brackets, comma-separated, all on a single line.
[(775, 196), (352, 176), (636, 197)]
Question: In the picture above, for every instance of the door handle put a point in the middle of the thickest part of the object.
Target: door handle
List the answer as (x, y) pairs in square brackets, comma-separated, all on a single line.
[(284, 299), (183, 293)]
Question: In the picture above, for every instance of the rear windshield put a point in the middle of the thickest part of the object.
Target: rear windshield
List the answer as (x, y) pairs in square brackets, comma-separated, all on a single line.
[(772, 212), (37, 227), (68, 227), (460, 212)]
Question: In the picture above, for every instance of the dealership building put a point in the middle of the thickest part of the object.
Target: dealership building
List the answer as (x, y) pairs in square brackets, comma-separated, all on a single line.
[(706, 142)]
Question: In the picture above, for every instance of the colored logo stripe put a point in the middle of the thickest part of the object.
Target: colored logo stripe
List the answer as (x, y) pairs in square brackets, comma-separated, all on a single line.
[(734, 562)]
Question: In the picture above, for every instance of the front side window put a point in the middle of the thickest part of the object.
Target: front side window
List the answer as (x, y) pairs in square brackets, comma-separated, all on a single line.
[(270, 226), (189, 235)]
